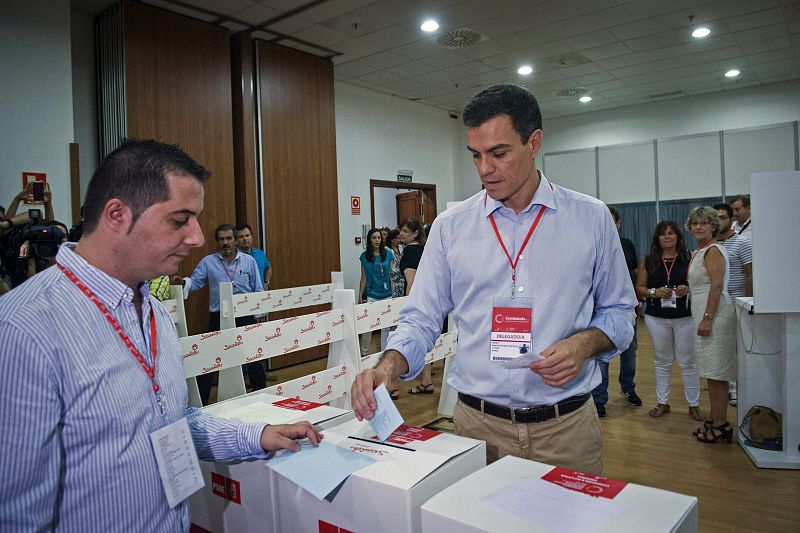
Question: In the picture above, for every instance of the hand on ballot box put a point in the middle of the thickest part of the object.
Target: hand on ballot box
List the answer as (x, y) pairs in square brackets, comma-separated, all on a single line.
[(282, 436)]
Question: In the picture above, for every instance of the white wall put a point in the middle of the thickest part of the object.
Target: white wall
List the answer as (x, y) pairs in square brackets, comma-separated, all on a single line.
[(733, 109), (377, 134), (84, 99), (36, 103), (386, 206)]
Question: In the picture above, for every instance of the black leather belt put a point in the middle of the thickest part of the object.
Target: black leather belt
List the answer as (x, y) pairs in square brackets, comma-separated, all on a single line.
[(525, 415)]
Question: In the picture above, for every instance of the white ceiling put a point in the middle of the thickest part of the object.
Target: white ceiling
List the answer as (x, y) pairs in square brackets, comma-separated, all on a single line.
[(620, 52)]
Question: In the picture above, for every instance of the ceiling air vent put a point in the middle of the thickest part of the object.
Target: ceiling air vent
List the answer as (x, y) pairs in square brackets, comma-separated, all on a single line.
[(460, 38), (571, 92)]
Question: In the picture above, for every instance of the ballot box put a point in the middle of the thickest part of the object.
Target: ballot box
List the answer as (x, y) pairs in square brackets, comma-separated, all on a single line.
[(516, 495), (238, 496), (410, 467)]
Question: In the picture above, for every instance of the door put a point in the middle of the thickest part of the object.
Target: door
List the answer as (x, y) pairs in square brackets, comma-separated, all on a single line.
[(410, 205)]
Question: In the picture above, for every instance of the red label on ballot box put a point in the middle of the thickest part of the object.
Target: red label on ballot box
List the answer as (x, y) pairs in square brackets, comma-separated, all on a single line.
[(585, 483), (405, 434), (296, 404)]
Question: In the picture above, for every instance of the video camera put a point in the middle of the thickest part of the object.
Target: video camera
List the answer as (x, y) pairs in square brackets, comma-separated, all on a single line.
[(43, 242)]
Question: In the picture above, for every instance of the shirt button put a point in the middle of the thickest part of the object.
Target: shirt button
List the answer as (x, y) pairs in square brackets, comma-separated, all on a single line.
[(516, 390), (520, 289)]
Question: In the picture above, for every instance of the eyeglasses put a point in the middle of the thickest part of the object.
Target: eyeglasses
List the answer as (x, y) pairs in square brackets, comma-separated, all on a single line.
[(698, 223)]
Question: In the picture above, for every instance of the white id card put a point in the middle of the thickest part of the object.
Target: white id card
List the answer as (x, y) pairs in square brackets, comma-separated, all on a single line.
[(177, 461), (511, 336), (671, 302)]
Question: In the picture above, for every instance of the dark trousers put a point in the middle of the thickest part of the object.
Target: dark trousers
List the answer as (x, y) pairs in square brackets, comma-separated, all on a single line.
[(256, 371), (627, 371)]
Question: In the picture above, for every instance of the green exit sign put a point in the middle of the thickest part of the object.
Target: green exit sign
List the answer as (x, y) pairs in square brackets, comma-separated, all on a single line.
[(404, 177)]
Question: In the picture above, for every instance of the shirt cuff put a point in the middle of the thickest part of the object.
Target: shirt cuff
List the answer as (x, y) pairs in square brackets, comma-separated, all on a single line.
[(409, 349), (187, 287), (619, 330), (250, 441)]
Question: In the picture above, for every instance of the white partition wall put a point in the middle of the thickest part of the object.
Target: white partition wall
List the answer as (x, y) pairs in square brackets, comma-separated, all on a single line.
[(756, 150), (689, 167), (627, 173), (574, 170)]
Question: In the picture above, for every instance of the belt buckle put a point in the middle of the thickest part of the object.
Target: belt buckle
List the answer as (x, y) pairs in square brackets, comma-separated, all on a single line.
[(526, 410)]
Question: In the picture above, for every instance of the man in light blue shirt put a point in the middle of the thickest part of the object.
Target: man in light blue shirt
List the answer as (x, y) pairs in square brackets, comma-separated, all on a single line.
[(569, 273), (227, 265), (245, 239), (78, 343)]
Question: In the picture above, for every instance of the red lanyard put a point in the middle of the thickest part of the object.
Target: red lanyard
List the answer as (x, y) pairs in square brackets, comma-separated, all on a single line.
[(519, 253), (671, 266), (225, 267), (150, 371)]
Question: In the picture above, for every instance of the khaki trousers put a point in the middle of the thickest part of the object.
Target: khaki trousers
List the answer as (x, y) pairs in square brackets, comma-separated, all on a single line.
[(573, 441)]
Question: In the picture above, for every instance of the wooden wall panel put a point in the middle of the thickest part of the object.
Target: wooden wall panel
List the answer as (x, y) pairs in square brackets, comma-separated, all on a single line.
[(178, 81), (244, 156), (300, 187)]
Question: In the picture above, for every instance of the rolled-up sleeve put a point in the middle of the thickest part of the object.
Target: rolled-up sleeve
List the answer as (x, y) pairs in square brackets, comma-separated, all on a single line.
[(614, 297), (428, 303), (223, 440)]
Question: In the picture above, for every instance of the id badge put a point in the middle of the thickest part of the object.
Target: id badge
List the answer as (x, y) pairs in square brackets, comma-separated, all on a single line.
[(512, 321), (670, 303), (177, 461)]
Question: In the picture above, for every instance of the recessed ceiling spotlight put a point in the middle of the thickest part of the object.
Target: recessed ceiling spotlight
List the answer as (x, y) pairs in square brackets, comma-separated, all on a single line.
[(525, 70), (701, 32), (732, 73), (585, 99), (429, 25)]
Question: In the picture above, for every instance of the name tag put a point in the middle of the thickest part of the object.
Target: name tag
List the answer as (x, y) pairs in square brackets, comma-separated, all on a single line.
[(177, 461), (511, 335), (671, 302)]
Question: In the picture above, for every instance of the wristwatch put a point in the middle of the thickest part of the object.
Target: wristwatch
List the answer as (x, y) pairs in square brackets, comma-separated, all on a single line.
[(708, 316), (652, 292)]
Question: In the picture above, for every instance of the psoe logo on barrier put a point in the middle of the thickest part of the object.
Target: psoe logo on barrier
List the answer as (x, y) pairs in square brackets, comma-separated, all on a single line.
[(290, 319), (277, 304), (267, 297), (242, 300), (327, 392), (254, 326), (279, 390), (323, 313), (255, 307), (325, 339), (340, 374), (258, 355), (317, 298), (376, 323), (173, 309), (287, 294), (217, 365), (326, 289), (205, 336), (387, 310), (192, 352), (298, 301), (310, 383), (235, 344), (307, 292), (439, 343), (310, 326), (363, 315), (338, 322), (294, 346), (275, 336)]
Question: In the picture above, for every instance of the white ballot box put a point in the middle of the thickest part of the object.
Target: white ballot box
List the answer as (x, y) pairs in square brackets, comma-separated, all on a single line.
[(516, 495), (237, 496), (412, 465)]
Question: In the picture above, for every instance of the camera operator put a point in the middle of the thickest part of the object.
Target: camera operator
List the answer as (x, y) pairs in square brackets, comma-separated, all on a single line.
[(26, 194), (31, 247)]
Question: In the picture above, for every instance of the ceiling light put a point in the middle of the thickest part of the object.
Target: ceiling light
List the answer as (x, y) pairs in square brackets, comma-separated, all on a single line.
[(429, 25), (732, 73), (525, 70), (585, 99), (701, 32)]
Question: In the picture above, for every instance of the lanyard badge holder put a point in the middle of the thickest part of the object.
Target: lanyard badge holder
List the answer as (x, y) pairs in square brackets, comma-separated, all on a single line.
[(512, 318)]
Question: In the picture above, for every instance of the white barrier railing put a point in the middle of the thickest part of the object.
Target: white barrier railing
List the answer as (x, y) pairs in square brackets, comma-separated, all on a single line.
[(226, 350)]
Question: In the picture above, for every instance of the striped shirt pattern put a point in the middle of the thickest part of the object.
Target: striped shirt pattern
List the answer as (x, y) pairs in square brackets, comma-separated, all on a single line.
[(77, 409), (739, 252)]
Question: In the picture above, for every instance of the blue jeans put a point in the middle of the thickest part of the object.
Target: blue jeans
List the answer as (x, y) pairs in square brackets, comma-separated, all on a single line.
[(627, 371)]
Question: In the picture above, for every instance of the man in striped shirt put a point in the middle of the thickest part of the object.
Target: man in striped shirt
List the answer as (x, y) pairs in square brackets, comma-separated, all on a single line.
[(90, 366), (740, 265)]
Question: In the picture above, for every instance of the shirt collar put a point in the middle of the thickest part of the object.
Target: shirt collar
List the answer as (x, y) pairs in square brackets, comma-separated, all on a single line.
[(544, 195), (238, 253), (109, 290)]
